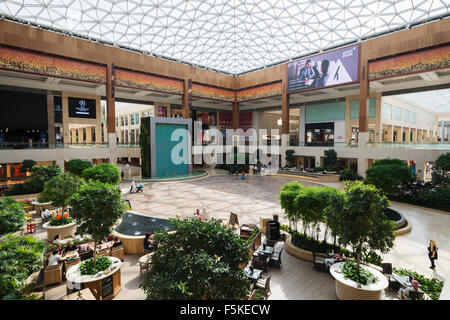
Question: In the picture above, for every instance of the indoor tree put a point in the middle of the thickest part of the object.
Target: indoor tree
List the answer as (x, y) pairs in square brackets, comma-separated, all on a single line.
[(27, 164), (59, 189), (199, 261), (388, 174), (105, 172), (310, 204), (290, 158), (441, 170), (359, 212), (77, 166), (96, 207), (329, 161), (287, 196)]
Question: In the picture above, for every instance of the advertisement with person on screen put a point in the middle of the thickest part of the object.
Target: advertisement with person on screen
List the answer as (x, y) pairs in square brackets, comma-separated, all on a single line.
[(328, 69)]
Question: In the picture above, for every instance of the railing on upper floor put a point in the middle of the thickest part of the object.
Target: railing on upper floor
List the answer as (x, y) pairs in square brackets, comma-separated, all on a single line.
[(127, 145), (41, 145), (410, 145), (324, 144)]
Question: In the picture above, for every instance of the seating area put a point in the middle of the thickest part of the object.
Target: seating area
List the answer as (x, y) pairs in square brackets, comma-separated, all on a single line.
[(263, 259)]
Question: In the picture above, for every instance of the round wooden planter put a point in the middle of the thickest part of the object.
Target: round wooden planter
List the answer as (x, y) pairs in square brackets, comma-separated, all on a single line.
[(63, 231), (297, 252), (347, 289), (131, 244), (106, 286)]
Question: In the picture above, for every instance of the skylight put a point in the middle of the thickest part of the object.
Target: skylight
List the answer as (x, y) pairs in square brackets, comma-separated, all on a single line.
[(231, 36)]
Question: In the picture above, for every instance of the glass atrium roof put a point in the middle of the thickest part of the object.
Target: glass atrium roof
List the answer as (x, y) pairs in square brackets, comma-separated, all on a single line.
[(230, 36)]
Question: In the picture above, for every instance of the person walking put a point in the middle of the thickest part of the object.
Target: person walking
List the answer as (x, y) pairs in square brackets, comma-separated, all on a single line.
[(122, 174), (432, 253)]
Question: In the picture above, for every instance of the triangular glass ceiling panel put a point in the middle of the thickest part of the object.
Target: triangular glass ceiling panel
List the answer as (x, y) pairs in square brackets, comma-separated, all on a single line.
[(257, 33)]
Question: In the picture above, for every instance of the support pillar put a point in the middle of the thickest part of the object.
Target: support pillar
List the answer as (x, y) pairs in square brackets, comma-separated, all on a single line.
[(186, 102), (110, 100), (364, 96), (236, 115), (60, 163), (301, 122), (362, 166), (51, 119), (74, 135), (89, 134), (420, 170), (284, 103), (111, 114)]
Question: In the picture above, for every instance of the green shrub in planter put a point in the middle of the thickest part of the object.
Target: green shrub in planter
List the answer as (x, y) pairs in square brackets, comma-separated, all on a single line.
[(432, 287), (88, 267), (105, 172), (361, 276), (19, 258), (12, 216), (348, 174), (77, 166), (438, 198)]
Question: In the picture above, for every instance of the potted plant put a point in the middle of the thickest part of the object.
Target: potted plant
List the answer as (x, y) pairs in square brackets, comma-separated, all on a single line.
[(96, 207), (362, 225)]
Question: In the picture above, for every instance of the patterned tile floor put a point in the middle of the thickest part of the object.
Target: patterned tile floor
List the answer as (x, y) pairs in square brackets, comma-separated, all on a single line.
[(256, 197)]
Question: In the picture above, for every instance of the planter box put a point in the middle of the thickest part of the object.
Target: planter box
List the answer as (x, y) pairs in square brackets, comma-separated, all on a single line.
[(347, 289), (297, 252), (63, 231)]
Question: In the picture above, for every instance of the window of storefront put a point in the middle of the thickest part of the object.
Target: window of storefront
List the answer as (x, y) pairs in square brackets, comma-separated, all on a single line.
[(387, 111), (320, 133), (132, 119), (406, 116), (397, 114), (354, 108), (137, 118), (132, 136)]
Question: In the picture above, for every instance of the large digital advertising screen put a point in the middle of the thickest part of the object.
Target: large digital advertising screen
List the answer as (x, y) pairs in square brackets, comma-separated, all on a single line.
[(82, 108), (333, 68)]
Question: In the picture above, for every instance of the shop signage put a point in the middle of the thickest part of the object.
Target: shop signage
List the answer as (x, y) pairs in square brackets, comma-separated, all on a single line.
[(82, 108)]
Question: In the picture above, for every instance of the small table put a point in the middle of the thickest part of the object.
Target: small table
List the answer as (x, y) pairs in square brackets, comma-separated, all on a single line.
[(268, 251), (103, 249), (252, 276), (71, 258), (85, 294), (403, 280)]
